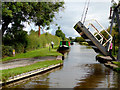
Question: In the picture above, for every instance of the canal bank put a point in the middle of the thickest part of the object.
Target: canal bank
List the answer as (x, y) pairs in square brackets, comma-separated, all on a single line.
[(79, 70), (30, 74), (36, 68), (108, 62)]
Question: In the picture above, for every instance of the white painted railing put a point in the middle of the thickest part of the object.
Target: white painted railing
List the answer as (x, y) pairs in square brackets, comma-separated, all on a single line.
[(96, 28)]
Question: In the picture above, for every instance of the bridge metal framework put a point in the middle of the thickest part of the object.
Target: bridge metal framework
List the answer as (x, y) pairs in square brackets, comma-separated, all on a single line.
[(101, 44), (93, 36)]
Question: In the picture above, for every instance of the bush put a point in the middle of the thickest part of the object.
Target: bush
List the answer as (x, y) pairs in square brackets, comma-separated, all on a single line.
[(79, 39), (35, 42), (7, 50), (19, 48)]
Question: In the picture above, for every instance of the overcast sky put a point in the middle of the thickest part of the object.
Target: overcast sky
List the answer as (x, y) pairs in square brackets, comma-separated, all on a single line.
[(98, 9)]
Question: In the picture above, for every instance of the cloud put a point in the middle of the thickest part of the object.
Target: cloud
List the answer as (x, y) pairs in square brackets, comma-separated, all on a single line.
[(30, 26), (98, 9), (73, 11)]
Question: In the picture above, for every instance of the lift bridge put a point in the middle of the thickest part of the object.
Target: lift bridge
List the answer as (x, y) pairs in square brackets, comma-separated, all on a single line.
[(91, 32)]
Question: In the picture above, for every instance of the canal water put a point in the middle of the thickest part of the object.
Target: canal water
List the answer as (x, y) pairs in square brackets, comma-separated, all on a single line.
[(80, 70)]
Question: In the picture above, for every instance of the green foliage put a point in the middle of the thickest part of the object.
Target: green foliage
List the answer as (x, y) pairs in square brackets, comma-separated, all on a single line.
[(45, 13), (79, 39), (67, 39), (15, 13), (115, 20), (59, 33), (33, 42), (18, 41), (19, 70), (19, 48), (117, 63), (71, 39), (84, 43), (6, 51), (35, 53), (115, 30), (42, 13), (44, 40), (115, 52)]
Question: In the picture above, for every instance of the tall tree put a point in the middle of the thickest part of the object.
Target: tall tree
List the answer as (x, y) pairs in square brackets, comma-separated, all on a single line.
[(15, 13), (46, 13), (116, 19), (59, 33), (42, 13)]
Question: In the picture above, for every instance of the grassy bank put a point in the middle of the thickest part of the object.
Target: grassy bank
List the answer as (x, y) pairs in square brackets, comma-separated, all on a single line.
[(84, 43), (32, 42), (113, 62), (35, 53), (19, 70), (117, 63)]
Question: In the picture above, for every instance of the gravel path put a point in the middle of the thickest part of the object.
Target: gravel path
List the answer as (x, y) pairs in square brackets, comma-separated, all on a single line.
[(23, 62)]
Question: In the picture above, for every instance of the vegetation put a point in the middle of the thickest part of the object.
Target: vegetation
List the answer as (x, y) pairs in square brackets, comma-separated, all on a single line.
[(84, 43), (7, 51), (34, 42), (118, 64), (42, 13), (19, 70), (14, 14), (59, 33), (35, 53), (116, 31), (115, 34), (79, 39)]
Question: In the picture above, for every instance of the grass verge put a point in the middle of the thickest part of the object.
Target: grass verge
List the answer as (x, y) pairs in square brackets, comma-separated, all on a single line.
[(19, 70), (35, 53), (118, 64)]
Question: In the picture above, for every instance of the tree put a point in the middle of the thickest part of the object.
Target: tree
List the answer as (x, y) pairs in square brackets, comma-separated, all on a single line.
[(79, 39), (45, 14), (70, 38), (15, 13), (59, 33), (116, 19)]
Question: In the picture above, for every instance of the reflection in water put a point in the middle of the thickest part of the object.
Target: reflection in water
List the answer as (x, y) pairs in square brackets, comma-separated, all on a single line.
[(64, 53), (95, 76), (37, 81), (80, 70)]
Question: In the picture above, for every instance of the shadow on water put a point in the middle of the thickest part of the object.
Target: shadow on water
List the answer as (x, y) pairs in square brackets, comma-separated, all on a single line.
[(64, 53), (96, 74), (98, 77)]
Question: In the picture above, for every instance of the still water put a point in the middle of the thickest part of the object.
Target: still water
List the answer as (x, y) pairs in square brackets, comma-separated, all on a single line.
[(80, 70)]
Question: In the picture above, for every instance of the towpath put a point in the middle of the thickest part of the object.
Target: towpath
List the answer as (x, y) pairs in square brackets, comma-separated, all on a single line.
[(23, 62)]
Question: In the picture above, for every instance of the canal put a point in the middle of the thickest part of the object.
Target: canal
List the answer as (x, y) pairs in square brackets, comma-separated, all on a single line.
[(80, 70)]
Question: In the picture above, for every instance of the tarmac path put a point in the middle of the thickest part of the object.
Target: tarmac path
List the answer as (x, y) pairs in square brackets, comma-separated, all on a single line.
[(23, 62)]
